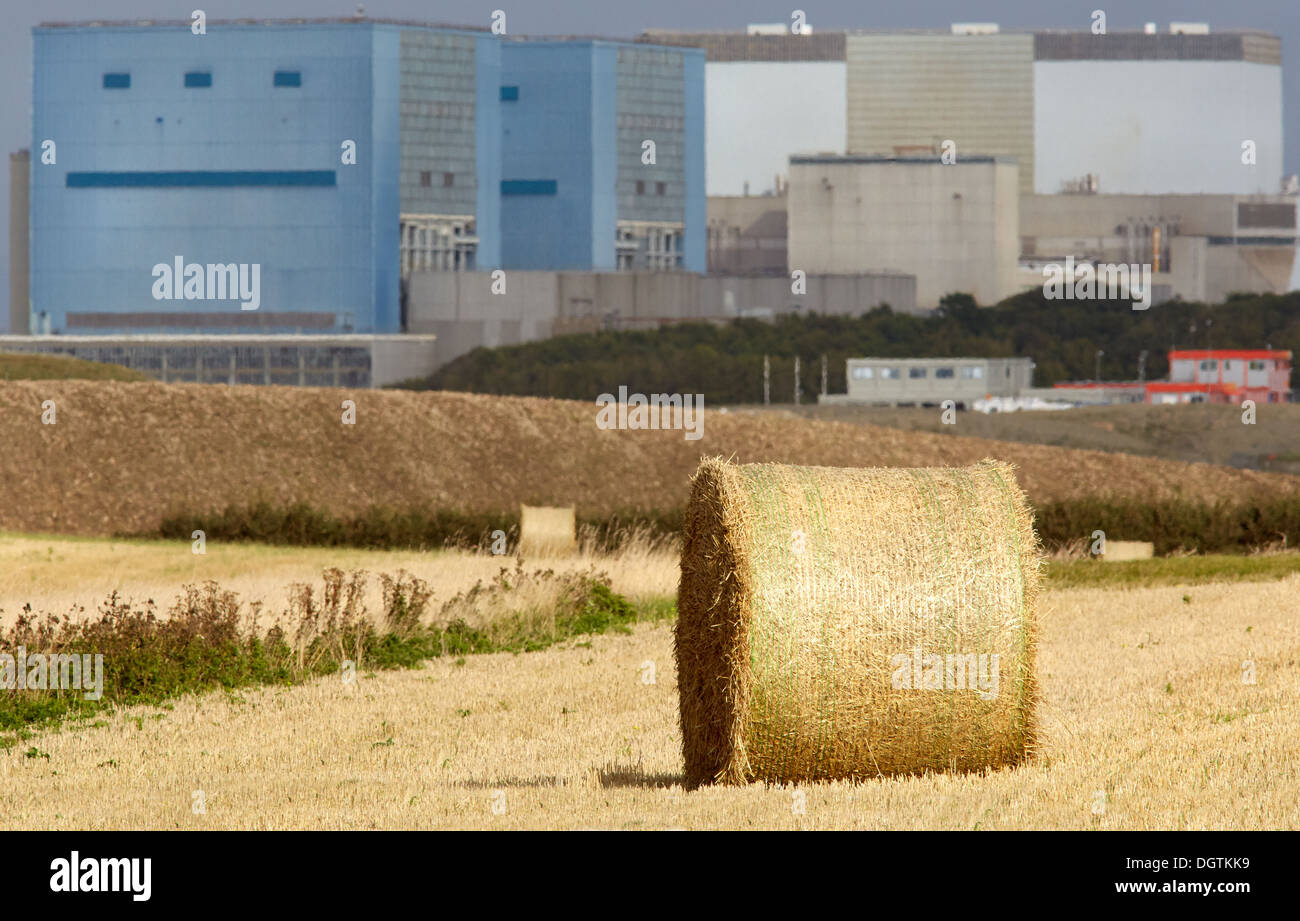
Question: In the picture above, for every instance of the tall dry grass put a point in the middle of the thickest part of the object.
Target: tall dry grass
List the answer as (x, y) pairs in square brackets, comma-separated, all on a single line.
[(60, 573)]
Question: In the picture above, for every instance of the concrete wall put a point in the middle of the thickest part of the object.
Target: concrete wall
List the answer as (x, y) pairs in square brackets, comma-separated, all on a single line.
[(1148, 127), (761, 112), (1212, 245), (747, 235), (919, 89), (20, 176), (1209, 270), (955, 227), (461, 310)]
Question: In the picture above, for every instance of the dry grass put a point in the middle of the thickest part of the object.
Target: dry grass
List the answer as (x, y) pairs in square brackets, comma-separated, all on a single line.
[(57, 574), (122, 456), (1146, 724)]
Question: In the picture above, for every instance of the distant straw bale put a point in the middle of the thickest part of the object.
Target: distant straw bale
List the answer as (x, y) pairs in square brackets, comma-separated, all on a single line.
[(545, 531), (1122, 551), (852, 623)]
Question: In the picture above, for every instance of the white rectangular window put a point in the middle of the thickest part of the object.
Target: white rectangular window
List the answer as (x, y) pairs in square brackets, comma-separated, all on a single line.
[(863, 374), (889, 374)]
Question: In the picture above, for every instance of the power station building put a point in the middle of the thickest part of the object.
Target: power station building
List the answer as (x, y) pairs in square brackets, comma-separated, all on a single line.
[(1134, 113), (1155, 147), (305, 149), (289, 176)]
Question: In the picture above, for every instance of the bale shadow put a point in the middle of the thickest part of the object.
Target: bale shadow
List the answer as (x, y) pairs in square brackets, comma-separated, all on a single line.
[(550, 781), (614, 776)]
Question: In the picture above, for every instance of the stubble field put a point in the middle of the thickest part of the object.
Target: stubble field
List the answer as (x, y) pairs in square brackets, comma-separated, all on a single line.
[(1148, 722)]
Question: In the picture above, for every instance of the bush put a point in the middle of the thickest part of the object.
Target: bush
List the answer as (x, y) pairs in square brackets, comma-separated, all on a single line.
[(208, 641), (1222, 527)]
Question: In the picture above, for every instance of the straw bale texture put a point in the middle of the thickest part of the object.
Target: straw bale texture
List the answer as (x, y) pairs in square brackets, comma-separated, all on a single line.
[(811, 597)]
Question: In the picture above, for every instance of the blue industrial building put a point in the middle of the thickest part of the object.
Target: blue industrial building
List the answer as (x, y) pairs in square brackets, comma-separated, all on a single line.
[(322, 161), (602, 156)]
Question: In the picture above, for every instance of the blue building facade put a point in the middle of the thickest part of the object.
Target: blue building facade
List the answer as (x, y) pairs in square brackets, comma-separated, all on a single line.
[(273, 145), (602, 156), (285, 177)]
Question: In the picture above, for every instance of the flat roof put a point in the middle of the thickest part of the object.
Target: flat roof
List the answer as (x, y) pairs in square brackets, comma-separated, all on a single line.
[(219, 339), (1256, 46), (836, 159), (297, 21), (945, 359), (1240, 354), (638, 42)]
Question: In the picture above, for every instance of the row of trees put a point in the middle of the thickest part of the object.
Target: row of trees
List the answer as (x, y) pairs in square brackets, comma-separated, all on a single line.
[(725, 361)]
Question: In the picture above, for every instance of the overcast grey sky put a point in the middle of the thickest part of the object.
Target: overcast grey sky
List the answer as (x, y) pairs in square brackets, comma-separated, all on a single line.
[(629, 17)]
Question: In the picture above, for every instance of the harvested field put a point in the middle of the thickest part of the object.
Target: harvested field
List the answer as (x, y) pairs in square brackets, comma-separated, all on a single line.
[(1147, 724), (122, 456)]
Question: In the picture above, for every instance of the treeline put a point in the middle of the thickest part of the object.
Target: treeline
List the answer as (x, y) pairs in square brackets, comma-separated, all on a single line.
[(725, 361), (1175, 525)]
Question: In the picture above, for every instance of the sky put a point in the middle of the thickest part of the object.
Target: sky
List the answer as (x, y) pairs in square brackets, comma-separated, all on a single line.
[(626, 18)]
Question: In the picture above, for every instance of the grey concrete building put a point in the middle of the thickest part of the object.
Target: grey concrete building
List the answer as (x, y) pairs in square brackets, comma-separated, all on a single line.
[(954, 226), (1200, 247), (747, 235), (461, 310)]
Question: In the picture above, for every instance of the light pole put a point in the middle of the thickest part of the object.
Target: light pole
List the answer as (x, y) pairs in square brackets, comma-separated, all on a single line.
[(1099, 354)]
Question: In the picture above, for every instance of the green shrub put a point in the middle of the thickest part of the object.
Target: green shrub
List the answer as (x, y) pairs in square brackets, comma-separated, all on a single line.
[(1222, 527), (208, 640)]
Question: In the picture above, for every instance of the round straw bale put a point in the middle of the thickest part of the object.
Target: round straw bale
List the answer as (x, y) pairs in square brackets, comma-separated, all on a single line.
[(851, 623)]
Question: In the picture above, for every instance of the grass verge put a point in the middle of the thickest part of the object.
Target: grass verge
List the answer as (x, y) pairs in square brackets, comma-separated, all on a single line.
[(1173, 570), (209, 640)]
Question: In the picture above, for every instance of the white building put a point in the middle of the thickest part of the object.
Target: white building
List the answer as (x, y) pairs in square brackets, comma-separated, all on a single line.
[(930, 381)]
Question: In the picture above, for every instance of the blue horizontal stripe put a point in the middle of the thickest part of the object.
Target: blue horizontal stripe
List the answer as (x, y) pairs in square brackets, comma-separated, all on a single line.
[(201, 178), (529, 187)]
